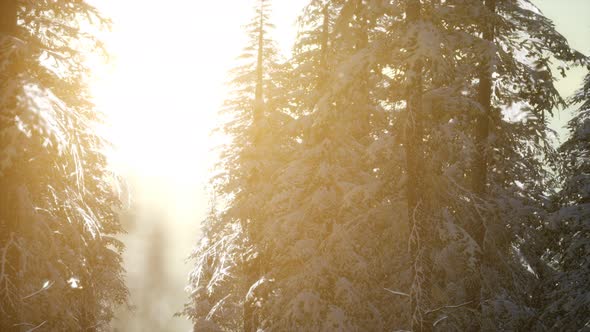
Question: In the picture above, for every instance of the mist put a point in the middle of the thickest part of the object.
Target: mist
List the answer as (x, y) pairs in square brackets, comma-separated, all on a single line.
[(162, 224)]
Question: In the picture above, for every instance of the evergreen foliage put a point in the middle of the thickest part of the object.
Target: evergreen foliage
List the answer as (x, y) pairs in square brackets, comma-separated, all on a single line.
[(410, 186), (567, 297), (232, 260), (60, 265)]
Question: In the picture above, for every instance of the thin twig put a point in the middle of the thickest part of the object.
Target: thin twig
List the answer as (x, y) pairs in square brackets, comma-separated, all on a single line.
[(39, 291), (36, 327), (440, 320), (4, 253), (396, 292), (449, 307)]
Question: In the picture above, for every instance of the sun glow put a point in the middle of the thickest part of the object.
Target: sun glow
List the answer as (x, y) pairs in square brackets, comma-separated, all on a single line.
[(166, 80), (161, 91)]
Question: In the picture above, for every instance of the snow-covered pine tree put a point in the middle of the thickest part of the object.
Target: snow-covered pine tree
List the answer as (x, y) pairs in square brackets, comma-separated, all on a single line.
[(423, 54), (231, 260), (60, 266), (353, 79), (448, 40), (394, 46), (327, 233), (567, 294), (510, 173), (495, 175)]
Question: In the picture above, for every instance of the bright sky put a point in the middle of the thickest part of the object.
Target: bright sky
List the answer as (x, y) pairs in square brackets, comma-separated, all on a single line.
[(571, 17), (163, 89), (167, 81)]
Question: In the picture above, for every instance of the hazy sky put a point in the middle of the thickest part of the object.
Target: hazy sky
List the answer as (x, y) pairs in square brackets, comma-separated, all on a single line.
[(166, 83), (572, 19)]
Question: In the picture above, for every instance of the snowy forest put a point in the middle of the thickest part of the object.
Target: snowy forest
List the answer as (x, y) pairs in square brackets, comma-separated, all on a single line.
[(397, 169)]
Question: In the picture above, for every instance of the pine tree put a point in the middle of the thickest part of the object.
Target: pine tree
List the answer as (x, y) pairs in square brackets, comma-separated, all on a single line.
[(231, 260), (402, 138), (60, 266), (424, 55), (447, 40), (513, 181), (567, 297), (325, 238)]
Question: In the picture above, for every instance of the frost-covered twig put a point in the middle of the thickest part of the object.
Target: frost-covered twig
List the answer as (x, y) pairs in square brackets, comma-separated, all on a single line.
[(4, 253), (44, 288), (8, 284), (216, 306), (36, 327), (413, 231), (439, 320), (449, 307), (396, 292)]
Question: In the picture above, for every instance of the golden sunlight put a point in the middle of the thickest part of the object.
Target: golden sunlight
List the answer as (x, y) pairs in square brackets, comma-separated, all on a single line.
[(166, 80), (294, 165), (162, 89)]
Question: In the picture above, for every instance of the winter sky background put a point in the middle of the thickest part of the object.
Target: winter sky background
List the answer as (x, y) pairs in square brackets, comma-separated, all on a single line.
[(162, 90)]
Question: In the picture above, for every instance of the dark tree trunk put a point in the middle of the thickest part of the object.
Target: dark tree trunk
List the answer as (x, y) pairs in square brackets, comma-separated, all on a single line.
[(253, 268), (8, 16), (362, 41), (8, 27), (259, 95), (480, 169), (9, 217), (414, 150), (324, 45), (480, 165)]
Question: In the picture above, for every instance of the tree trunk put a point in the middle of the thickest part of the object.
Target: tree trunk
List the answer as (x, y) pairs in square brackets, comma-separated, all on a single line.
[(259, 96), (10, 263), (480, 166), (362, 117), (324, 45), (480, 169), (419, 252), (8, 16), (253, 269)]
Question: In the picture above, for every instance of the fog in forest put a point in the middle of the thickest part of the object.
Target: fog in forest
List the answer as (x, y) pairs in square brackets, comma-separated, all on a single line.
[(162, 228)]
